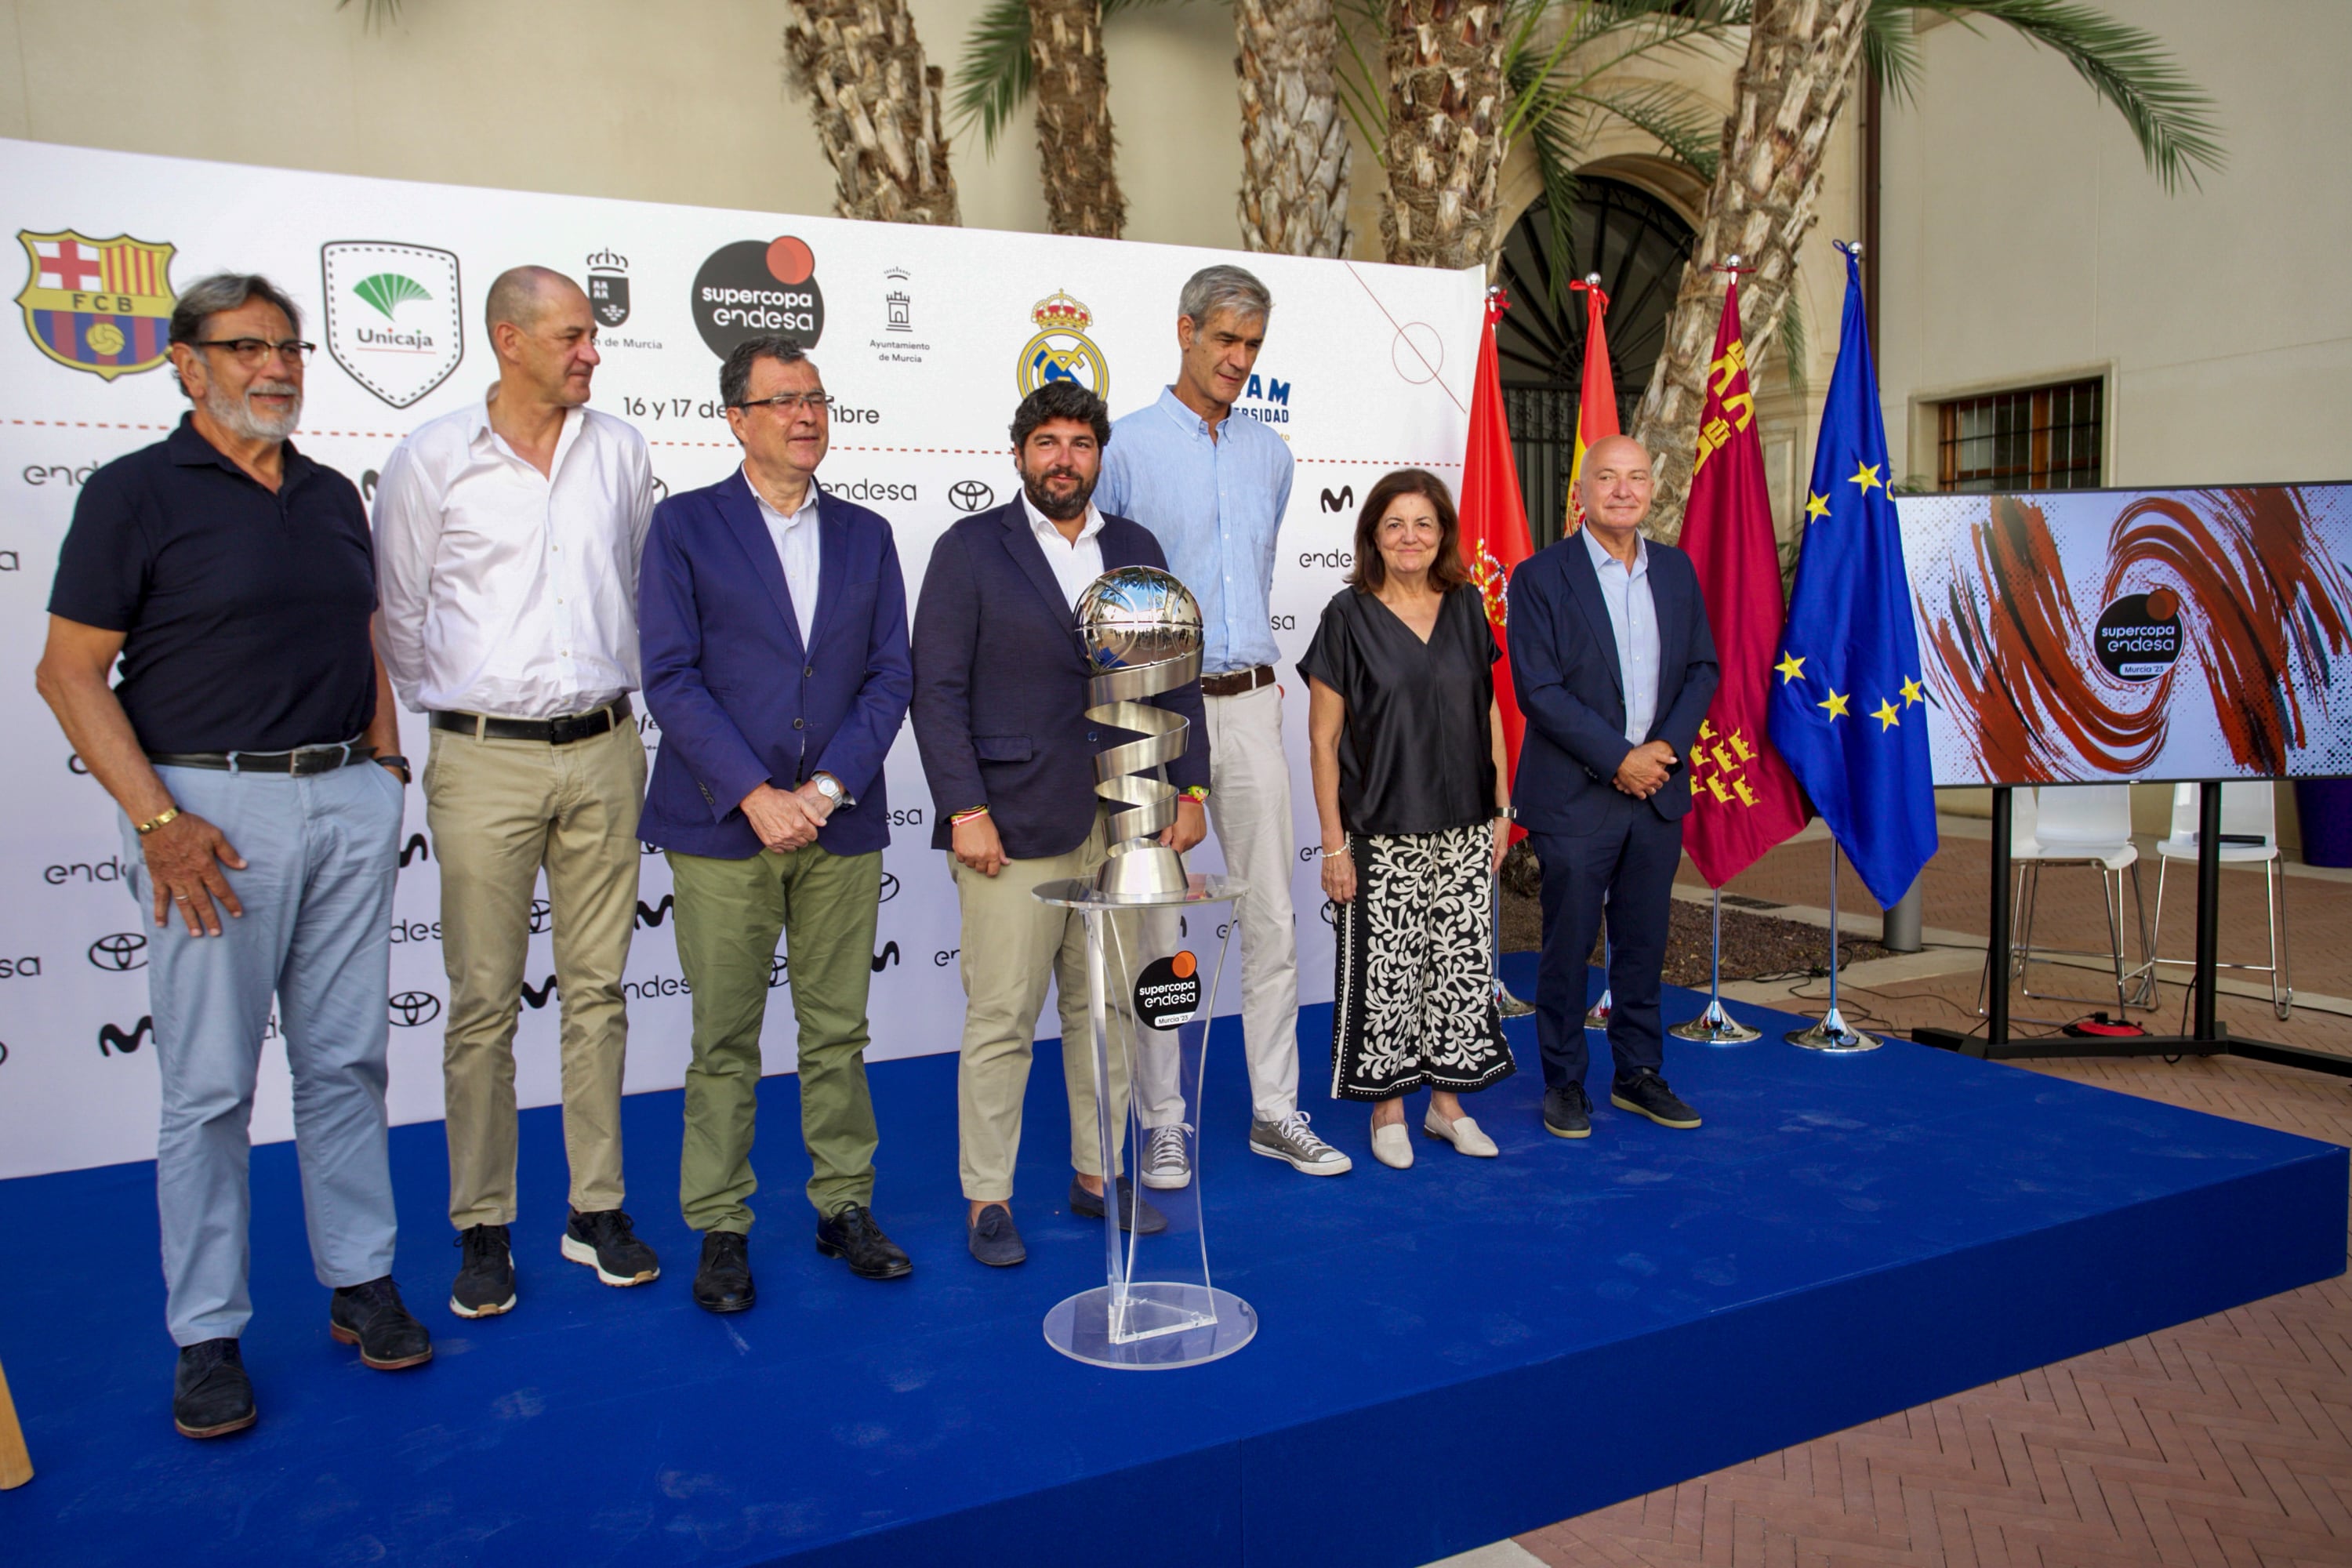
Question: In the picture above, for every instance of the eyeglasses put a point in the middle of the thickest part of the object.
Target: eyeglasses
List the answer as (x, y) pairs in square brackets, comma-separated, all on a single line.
[(790, 403), (254, 352)]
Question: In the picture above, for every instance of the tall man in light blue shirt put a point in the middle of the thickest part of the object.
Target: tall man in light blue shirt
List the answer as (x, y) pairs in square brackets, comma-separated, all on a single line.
[(1211, 488)]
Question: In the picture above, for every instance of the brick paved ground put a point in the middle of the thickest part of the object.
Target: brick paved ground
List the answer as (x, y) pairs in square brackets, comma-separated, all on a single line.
[(2225, 1441)]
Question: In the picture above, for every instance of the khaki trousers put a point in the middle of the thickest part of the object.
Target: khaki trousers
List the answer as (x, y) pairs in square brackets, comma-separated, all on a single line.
[(498, 811), (729, 913), (1012, 946), (1249, 807)]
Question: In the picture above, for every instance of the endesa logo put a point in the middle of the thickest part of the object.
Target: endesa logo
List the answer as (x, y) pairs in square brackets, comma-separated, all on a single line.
[(871, 490), (756, 287), (2139, 636)]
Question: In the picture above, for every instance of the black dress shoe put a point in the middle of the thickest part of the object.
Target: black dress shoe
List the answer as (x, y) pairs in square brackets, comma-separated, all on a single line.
[(1567, 1111), (1646, 1094), (485, 1286), (372, 1317), (993, 1239), (211, 1396), (723, 1283), (850, 1233), (1134, 1212)]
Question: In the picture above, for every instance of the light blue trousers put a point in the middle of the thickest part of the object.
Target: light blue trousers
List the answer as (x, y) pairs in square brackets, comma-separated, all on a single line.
[(321, 854)]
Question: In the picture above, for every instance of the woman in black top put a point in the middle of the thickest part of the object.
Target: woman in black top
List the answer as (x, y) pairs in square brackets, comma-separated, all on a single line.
[(1407, 746)]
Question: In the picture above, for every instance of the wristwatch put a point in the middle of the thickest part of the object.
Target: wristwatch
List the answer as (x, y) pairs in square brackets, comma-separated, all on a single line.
[(830, 787)]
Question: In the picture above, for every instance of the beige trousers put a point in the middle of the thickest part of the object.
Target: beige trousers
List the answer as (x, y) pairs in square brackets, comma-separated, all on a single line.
[(1012, 946), (1249, 807), (498, 811)]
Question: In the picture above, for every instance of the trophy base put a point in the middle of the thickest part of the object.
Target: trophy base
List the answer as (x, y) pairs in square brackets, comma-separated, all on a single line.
[(1151, 1326), (1148, 873)]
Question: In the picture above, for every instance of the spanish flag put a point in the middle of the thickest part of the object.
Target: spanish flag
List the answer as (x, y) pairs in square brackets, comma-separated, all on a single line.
[(1596, 402)]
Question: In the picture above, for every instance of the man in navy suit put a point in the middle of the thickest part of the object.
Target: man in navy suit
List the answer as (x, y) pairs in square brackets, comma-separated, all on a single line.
[(1614, 666), (774, 626), (1000, 718)]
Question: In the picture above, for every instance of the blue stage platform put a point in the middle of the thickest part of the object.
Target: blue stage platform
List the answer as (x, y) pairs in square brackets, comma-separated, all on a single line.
[(1447, 1355)]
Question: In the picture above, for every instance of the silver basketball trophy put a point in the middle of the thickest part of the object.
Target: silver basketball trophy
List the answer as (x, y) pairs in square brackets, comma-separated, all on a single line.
[(1157, 1309), (1141, 631)]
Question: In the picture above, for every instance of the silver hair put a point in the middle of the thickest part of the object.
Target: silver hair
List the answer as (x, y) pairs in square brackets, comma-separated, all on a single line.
[(219, 293), (1214, 289)]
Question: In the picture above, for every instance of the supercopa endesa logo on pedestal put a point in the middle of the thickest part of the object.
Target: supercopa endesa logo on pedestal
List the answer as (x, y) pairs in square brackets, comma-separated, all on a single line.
[(752, 288)]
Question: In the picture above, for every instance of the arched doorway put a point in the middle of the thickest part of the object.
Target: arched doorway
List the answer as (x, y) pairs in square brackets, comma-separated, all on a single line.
[(1638, 245)]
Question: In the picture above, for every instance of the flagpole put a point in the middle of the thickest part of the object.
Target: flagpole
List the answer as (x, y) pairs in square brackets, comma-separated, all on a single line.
[(1715, 1026), (1832, 1034), (1509, 1005), (1597, 1015)]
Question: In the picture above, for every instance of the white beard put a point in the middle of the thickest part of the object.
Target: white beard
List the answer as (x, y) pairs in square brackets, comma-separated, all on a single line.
[(237, 415)]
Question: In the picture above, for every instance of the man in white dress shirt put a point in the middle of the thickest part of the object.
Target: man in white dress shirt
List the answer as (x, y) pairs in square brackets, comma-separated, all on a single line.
[(508, 536)]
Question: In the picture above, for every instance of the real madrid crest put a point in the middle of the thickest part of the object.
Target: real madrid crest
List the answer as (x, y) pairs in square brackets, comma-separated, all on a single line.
[(1061, 350)]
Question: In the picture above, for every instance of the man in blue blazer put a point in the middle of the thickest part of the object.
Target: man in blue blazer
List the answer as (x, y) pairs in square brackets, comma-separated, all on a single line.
[(999, 718), (773, 620), (1614, 666)]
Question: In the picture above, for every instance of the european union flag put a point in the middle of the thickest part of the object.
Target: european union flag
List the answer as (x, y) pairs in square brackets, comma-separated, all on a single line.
[(1849, 710)]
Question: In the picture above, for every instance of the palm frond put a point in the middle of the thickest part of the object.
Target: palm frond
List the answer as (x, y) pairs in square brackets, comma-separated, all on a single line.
[(1890, 50), (1677, 119), (374, 13), (996, 74), (1363, 34), (1792, 336), (2169, 115)]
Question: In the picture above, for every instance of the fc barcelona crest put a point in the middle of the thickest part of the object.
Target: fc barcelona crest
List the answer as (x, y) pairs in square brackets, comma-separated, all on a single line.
[(99, 305)]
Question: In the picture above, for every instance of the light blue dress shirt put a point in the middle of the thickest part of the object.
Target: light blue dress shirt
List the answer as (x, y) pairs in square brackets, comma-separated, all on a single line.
[(1215, 506), (797, 551), (1633, 621)]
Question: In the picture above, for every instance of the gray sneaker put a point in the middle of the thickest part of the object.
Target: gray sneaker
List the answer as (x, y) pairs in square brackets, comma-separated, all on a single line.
[(1291, 1139), (1166, 1167)]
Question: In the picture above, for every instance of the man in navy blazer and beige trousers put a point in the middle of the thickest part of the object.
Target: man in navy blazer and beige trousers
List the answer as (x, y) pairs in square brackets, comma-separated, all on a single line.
[(1614, 666), (1000, 718), (774, 625)]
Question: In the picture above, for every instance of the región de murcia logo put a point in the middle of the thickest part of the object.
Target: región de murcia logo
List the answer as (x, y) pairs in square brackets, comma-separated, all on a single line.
[(1718, 765)]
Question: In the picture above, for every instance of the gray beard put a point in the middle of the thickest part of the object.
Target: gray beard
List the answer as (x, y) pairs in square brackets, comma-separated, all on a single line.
[(237, 415)]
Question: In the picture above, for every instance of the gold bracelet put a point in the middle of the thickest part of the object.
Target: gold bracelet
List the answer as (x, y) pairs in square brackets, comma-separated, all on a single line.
[(171, 814)]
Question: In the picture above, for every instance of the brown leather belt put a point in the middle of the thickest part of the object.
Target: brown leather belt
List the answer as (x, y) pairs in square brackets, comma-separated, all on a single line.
[(1238, 683), (561, 732)]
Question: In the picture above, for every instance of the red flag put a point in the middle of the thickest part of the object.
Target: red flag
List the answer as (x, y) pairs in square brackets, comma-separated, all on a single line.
[(1494, 516), (1744, 799), (1596, 399)]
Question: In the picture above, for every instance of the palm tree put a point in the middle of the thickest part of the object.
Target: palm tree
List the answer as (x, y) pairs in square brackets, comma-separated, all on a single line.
[(875, 104), (1075, 145), (1294, 152), (1790, 91)]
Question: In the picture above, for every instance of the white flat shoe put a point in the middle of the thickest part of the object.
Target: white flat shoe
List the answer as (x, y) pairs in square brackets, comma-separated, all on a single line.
[(1392, 1146), (1462, 1132)]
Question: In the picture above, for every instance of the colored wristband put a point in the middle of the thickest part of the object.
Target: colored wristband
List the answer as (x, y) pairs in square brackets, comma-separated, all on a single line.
[(960, 817), (170, 814)]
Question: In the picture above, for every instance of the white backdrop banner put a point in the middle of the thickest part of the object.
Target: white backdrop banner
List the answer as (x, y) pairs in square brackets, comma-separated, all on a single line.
[(928, 337)]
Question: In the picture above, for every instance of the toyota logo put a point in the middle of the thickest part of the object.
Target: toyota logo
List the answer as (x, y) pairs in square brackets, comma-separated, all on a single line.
[(540, 912), (970, 495), (889, 888), (411, 1008), (777, 974), (121, 952), (1330, 914)]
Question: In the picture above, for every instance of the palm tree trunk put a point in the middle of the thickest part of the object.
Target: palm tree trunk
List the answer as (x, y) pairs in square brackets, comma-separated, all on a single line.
[(1444, 143), (1295, 151), (1785, 102), (876, 108), (1073, 134)]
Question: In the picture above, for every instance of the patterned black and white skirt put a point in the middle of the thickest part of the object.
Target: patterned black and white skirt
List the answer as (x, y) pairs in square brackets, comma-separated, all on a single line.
[(1415, 995)]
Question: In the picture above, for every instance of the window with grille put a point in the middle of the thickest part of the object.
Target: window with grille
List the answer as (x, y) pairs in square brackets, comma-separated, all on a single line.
[(2038, 439)]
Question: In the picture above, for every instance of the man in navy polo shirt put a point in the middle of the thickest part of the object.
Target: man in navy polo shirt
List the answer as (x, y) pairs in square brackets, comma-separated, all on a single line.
[(234, 579)]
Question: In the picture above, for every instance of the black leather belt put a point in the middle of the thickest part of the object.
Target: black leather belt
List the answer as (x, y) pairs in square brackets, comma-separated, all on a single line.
[(1238, 683), (551, 731), (301, 762)]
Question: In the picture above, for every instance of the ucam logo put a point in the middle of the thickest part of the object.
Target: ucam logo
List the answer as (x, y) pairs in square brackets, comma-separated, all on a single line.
[(1265, 400), (394, 320)]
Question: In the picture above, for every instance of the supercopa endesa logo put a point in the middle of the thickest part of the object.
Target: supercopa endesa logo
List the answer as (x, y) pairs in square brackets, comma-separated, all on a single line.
[(754, 287)]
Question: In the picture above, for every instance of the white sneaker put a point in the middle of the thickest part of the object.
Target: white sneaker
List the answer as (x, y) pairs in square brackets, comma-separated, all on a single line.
[(1391, 1147), (1462, 1132), (1290, 1139), (1165, 1167)]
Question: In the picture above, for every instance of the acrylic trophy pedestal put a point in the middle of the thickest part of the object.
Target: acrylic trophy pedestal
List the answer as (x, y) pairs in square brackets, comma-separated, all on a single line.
[(1174, 1317)]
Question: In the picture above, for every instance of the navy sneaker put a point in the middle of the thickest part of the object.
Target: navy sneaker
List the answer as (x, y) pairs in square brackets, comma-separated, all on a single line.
[(1567, 1111), (485, 1286), (993, 1240), (604, 1241), (1646, 1094)]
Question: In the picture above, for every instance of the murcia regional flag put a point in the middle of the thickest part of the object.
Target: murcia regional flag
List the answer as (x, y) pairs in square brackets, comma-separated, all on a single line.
[(99, 305), (1494, 516), (1743, 800)]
